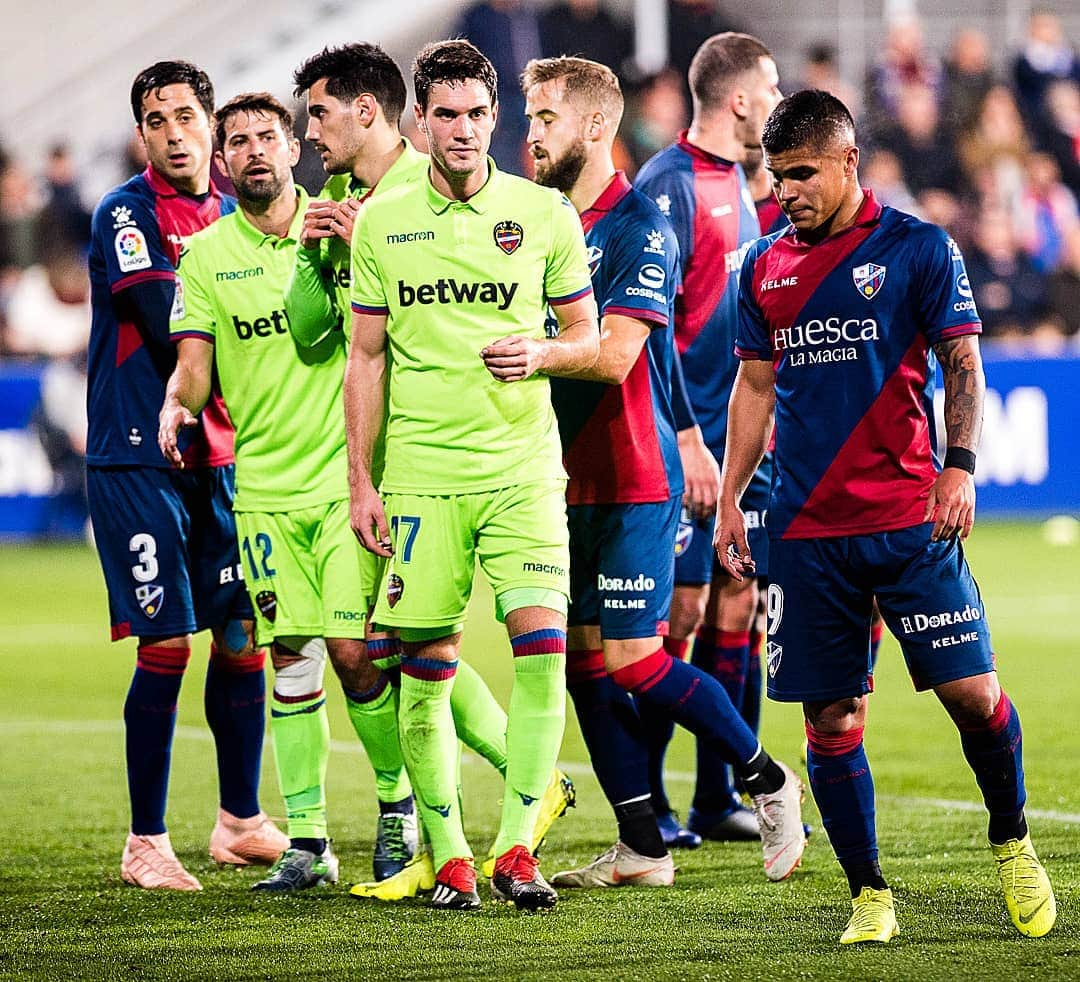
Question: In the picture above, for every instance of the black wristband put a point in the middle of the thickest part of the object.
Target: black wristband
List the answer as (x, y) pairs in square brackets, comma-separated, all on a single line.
[(960, 457)]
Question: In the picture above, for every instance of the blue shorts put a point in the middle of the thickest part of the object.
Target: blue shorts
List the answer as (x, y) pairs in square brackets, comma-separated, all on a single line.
[(622, 566), (695, 558), (820, 600), (167, 545)]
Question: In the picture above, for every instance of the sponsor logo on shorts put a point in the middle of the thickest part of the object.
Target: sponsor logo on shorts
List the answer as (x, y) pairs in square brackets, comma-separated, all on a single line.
[(395, 587), (226, 275), (773, 654), (151, 598), (266, 601), (968, 637), (230, 574), (508, 236), (348, 615), (631, 584), (917, 623), (754, 519), (869, 278), (549, 568), (397, 238)]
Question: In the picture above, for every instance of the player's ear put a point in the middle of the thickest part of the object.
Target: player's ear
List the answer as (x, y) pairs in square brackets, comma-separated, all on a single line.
[(418, 115), (737, 102), (594, 128), (851, 161), (366, 108), (219, 157), (294, 151)]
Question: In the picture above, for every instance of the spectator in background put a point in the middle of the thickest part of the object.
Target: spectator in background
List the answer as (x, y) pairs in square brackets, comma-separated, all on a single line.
[(883, 173), (587, 29), (1047, 213), (508, 33), (922, 145), (903, 62), (64, 219), (1047, 56), (1059, 134), (1063, 288), (993, 151), (690, 22), (820, 71), (48, 308), (659, 115), (969, 75), (19, 207), (1009, 291)]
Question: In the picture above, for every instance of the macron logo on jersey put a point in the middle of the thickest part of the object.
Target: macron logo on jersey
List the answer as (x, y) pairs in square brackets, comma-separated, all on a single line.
[(238, 274), (451, 291)]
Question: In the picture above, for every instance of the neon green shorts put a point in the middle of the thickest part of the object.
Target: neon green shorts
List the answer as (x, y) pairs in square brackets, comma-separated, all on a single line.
[(306, 573), (518, 533)]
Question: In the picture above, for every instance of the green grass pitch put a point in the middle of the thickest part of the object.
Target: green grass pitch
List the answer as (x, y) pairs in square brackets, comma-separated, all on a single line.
[(64, 912)]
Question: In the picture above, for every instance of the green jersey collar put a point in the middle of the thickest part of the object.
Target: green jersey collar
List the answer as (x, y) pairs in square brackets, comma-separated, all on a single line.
[(479, 202), (258, 237), (399, 172)]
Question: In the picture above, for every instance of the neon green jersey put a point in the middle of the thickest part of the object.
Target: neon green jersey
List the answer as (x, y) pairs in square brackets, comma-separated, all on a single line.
[(285, 400), (453, 276), (318, 293)]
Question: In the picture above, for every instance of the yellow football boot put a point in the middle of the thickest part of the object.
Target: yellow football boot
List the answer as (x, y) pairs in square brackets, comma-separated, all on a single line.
[(872, 918), (1028, 894)]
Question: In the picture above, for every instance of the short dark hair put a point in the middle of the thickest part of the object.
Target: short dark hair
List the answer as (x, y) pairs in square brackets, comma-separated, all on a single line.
[(251, 102), (163, 73), (352, 69), (809, 119), (719, 62), (452, 61)]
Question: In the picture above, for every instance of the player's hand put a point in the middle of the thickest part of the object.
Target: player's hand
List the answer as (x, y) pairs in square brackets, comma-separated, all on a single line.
[(701, 475), (171, 420), (730, 543), (513, 358), (368, 520), (951, 505), (317, 223), (345, 213)]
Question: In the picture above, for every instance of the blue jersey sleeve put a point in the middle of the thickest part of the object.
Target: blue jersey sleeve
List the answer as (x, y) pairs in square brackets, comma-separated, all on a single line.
[(642, 272), (943, 300), (752, 338), (672, 191), (127, 236)]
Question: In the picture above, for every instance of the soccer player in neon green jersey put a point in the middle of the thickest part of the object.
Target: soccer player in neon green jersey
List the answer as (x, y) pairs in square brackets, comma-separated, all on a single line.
[(355, 96), (452, 276), (302, 566)]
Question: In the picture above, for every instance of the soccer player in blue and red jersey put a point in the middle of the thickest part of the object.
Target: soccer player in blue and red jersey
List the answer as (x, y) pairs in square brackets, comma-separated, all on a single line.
[(699, 183), (624, 495), (841, 317), (166, 538)]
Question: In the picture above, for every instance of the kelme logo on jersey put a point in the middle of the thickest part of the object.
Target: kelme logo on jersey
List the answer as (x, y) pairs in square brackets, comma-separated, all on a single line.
[(508, 236), (151, 598), (451, 291), (395, 587), (262, 327), (266, 601), (868, 278)]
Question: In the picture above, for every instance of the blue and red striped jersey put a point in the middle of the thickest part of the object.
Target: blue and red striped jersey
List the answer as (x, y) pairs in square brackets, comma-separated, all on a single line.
[(619, 444), (136, 237), (849, 324), (714, 217)]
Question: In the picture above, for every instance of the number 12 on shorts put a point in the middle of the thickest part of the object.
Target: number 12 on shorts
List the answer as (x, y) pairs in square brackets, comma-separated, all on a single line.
[(265, 547), (411, 526)]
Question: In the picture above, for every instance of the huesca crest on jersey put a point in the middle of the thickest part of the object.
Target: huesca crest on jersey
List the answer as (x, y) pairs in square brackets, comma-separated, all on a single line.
[(508, 236), (868, 278)]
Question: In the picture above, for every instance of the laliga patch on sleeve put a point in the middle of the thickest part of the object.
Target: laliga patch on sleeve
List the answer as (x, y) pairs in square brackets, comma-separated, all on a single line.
[(179, 311), (132, 252)]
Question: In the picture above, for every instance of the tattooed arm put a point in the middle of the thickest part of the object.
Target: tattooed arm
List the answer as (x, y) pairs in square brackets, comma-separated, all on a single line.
[(951, 504)]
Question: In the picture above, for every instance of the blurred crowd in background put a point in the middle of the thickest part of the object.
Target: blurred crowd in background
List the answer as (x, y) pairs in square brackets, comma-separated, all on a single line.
[(983, 143)]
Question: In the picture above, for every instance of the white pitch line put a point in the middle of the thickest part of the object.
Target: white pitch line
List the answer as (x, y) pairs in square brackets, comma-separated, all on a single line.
[(573, 768)]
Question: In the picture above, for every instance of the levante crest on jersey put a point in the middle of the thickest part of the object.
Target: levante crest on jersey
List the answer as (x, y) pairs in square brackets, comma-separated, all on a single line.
[(868, 279), (508, 236)]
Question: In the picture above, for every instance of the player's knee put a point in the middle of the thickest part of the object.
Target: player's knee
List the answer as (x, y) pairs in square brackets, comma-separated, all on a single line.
[(351, 663), (236, 639), (687, 610), (299, 664), (971, 701), (837, 716)]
